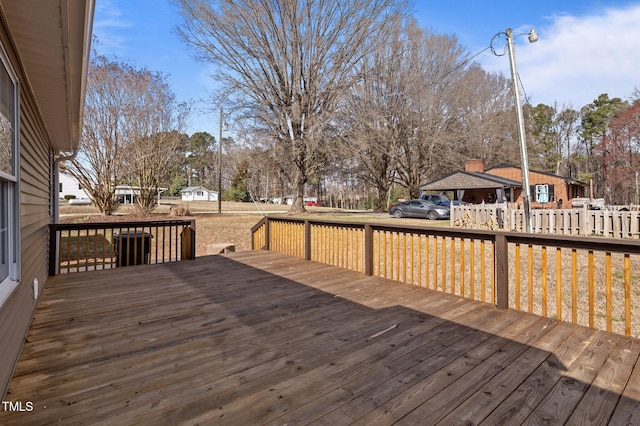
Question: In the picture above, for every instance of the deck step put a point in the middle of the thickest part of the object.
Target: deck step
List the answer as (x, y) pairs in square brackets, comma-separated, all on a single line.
[(218, 248)]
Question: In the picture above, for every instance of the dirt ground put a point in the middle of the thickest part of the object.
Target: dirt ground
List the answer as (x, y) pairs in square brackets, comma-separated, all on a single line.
[(233, 225)]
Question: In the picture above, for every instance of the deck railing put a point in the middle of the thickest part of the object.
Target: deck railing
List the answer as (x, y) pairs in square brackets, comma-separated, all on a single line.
[(76, 247), (585, 280)]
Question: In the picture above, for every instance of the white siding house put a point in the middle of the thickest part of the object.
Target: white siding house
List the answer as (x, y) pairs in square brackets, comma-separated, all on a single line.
[(68, 185), (198, 193)]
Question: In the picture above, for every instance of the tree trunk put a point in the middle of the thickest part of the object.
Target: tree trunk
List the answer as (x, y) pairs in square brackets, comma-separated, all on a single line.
[(382, 199), (298, 198)]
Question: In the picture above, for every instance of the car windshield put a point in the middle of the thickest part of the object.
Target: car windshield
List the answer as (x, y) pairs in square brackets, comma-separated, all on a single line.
[(442, 198)]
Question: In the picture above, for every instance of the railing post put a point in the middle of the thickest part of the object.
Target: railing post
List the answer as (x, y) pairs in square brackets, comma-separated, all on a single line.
[(53, 249), (307, 240), (368, 249), (193, 239), (255, 230), (502, 271), (267, 231), (188, 242)]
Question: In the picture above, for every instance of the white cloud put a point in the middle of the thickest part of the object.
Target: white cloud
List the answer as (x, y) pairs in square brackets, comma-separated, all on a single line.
[(578, 58), (108, 27)]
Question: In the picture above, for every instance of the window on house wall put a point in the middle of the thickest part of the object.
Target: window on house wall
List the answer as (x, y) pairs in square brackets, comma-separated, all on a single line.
[(8, 176), (543, 193)]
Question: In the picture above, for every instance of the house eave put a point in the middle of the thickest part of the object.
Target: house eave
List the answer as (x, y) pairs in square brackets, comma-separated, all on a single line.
[(53, 41)]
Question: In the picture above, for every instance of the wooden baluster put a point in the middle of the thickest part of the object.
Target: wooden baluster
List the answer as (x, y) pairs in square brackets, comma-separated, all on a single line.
[(559, 282)]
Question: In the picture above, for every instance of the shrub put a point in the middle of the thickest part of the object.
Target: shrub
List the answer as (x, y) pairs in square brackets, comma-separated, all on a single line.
[(180, 210)]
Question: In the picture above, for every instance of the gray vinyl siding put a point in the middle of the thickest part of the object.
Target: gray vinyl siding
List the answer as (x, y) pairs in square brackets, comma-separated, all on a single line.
[(34, 167)]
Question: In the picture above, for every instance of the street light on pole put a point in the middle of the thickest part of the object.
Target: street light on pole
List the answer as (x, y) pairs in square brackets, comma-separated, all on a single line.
[(526, 190)]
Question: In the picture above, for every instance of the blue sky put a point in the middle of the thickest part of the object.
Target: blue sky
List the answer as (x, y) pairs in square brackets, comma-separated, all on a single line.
[(586, 47)]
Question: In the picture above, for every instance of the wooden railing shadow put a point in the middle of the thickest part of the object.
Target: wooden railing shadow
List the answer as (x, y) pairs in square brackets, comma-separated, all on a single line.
[(399, 362), (260, 338), (584, 280), (428, 366)]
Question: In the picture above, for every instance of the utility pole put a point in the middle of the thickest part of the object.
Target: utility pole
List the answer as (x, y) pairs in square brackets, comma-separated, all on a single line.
[(220, 166), (526, 190)]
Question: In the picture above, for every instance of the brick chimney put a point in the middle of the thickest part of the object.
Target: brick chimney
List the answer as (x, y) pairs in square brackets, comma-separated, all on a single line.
[(475, 165)]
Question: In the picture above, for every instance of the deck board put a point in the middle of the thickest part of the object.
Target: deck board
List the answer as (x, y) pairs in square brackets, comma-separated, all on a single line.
[(263, 338)]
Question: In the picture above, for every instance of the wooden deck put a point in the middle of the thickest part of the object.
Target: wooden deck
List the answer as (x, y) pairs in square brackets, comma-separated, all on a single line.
[(262, 338)]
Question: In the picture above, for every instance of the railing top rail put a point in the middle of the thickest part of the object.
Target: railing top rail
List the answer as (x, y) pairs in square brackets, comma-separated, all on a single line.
[(109, 225), (257, 226), (582, 243), (418, 229), (437, 230), (316, 221), (566, 241)]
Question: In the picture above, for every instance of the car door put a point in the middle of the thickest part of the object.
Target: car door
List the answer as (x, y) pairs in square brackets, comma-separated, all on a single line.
[(417, 209)]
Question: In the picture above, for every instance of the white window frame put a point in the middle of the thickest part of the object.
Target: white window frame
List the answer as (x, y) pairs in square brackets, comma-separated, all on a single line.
[(11, 184), (542, 193)]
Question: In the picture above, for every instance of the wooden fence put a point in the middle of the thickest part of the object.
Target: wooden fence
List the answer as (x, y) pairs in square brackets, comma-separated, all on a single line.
[(614, 223), (586, 280), (76, 247)]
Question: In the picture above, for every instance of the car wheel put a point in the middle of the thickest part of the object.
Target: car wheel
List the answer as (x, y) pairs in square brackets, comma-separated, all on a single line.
[(397, 213), (432, 215)]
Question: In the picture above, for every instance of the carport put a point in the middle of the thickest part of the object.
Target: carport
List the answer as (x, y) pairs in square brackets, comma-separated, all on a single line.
[(476, 187)]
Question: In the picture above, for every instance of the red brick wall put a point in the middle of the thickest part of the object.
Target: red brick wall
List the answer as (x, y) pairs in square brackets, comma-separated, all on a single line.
[(560, 188), (475, 165)]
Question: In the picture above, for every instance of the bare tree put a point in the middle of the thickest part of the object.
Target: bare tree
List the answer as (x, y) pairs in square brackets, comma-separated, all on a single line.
[(151, 157), (156, 121), (375, 114), (399, 118), (435, 63), (99, 163), (422, 110), (130, 129), (483, 124), (289, 61)]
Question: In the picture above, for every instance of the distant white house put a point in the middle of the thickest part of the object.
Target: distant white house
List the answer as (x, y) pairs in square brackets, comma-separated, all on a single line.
[(69, 186), (127, 194), (288, 199), (198, 193)]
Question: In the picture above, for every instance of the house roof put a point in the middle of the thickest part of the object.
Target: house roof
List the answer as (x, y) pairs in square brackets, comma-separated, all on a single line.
[(469, 180), (196, 188), (53, 40), (568, 180)]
